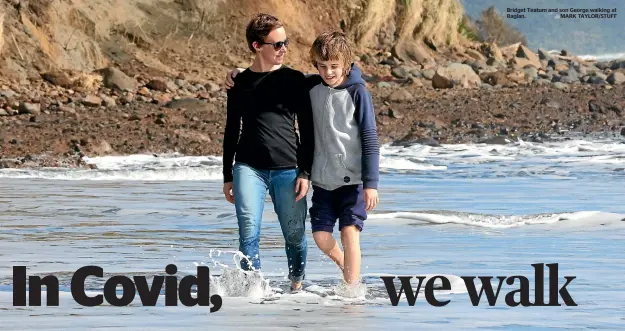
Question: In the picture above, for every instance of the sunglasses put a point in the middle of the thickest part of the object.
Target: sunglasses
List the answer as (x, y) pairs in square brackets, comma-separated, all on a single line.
[(278, 44)]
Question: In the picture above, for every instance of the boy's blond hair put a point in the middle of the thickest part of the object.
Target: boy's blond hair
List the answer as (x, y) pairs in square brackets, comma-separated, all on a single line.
[(332, 46)]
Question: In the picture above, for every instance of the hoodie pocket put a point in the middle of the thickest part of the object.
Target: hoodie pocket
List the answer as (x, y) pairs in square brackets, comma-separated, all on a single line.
[(342, 173)]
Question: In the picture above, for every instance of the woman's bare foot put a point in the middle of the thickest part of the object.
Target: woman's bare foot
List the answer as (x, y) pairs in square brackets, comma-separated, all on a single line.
[(296, 286)]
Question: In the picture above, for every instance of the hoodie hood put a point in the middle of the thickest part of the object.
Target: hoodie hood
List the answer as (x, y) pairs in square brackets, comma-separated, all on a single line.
[(354, 77)]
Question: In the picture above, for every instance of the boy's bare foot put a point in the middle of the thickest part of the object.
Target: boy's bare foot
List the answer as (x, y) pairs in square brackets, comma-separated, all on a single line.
[(353, 284)]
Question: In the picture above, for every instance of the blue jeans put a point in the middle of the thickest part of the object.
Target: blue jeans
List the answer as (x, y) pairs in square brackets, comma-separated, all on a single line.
[(250, 189)]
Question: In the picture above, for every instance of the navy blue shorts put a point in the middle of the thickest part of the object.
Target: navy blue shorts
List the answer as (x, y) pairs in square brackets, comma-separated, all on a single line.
[(347, 204)]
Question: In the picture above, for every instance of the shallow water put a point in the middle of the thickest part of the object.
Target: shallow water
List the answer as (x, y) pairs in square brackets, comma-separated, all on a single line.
[(462, 210)]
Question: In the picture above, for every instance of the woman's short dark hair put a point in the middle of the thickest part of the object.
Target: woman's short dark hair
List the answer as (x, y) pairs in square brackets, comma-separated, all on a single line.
[(259, 27)]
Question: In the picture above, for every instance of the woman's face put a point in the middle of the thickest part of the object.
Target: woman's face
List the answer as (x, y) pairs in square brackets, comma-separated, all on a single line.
[(268, 51)]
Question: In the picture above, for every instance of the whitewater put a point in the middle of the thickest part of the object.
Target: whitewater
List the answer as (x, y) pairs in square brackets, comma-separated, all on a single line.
[(453, 210)]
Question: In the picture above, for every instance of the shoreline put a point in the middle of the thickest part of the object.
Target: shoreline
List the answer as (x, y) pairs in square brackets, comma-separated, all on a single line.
[(405, 114)]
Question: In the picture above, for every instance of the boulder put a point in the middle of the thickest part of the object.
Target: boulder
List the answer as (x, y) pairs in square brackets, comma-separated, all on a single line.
[(541, 82), (492, 62), (498, 140), (495, 78), (509, 51), (519, 77), (108, 100), (7, 94), (596, 80), (29, 108), (616, 78), (475, 54), (401, 72), (212, 87), (410, 140), (531, 72), (491, 50), (526, 53), (567, 79), (157, 85), (57, 78), (411, 51), (428, 74), (618, 64), (560, 67), (456, 74), (400, 95), (92, 101), (187, 103), (114, 78), (478, 66), (521, 63), (553, 63), (101, 148), (560, 86), (543, 55)]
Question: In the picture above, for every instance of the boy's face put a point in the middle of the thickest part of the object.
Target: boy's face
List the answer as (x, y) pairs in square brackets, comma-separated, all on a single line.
[(332, 72)]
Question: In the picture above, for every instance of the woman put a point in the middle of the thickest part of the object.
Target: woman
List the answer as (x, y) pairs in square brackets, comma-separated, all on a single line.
[(268, 155)]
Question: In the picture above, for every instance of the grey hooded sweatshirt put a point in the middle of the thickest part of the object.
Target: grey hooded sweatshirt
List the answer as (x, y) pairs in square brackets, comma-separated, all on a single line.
[(346, 143)]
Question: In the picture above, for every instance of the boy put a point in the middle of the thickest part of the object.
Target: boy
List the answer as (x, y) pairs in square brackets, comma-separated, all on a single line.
[(346, 160)]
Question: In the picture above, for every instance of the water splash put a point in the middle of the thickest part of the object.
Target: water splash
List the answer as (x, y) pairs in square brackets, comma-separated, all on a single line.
[(357, 291), (234, 281)]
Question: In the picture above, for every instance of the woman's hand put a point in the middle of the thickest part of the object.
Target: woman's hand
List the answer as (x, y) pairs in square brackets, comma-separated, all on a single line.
[(301, 188), (229, 191)]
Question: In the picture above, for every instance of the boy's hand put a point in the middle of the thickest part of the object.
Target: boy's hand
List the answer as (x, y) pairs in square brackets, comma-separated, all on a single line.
[(230, 77), (228, 191), (371, 198)]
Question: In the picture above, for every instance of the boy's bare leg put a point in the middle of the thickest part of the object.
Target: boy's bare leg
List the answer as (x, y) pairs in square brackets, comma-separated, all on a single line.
[(350, 237), (329, 246)]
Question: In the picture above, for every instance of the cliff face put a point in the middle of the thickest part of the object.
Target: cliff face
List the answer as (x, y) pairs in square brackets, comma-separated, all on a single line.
[(1, 32), (205, 37)]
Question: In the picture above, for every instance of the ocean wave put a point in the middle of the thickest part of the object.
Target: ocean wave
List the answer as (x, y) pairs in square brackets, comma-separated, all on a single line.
[(140, 167), (587, 219), (512, 160), (201, 173), (603, 57)]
